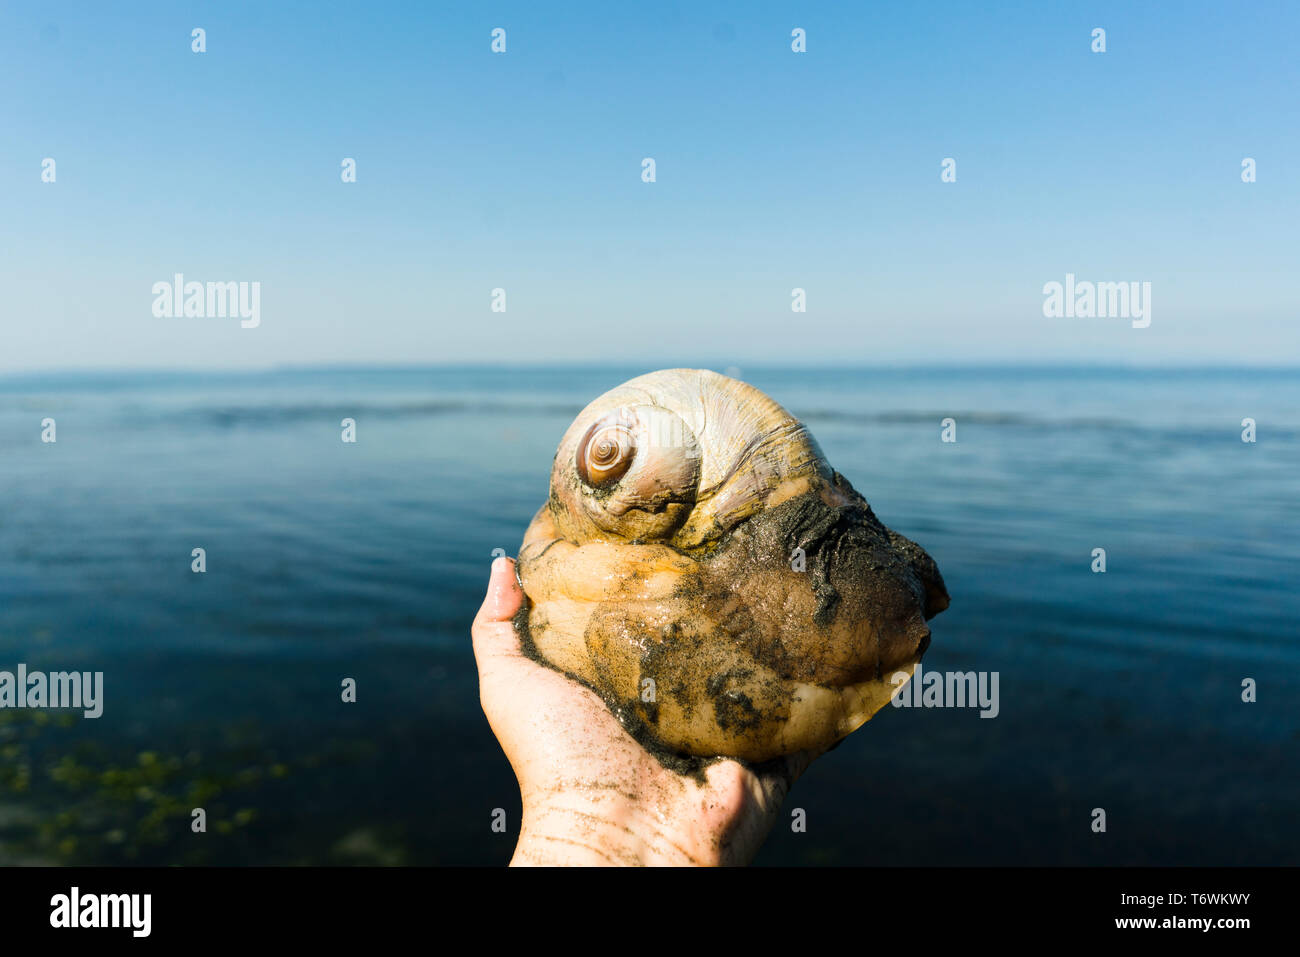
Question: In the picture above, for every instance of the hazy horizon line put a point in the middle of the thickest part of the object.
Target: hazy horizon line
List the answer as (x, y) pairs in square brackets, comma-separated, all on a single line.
[(544, 365)]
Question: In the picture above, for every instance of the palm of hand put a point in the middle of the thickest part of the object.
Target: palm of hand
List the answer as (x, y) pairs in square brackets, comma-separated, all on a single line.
[(591, 793)]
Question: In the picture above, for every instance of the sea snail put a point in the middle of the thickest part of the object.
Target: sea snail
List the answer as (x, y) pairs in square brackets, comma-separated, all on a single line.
[(702, 568)]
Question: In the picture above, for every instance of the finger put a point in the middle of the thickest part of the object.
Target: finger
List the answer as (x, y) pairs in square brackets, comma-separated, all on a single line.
[(493, 632), (779, 774), (503, 595), (796, 764)]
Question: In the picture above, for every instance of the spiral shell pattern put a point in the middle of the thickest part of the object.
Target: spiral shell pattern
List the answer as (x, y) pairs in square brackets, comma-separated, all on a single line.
[(607, 450)]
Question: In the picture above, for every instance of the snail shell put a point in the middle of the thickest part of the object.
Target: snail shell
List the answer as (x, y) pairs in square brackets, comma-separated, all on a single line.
[(660, 573)]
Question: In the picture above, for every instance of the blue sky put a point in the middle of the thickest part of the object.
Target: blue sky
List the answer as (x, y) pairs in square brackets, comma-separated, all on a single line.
[(522, 171)]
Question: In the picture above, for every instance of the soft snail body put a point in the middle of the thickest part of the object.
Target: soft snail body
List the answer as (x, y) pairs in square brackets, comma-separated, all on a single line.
[(701, 566)]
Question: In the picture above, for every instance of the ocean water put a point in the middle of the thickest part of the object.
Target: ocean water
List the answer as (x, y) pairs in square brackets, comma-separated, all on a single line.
[(1120, 691)]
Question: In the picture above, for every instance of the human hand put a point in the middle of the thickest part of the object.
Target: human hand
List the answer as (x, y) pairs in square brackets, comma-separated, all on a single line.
[(592, 794)]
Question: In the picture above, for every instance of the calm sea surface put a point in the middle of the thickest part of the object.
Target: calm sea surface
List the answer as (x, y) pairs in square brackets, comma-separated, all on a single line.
[(325, 560)]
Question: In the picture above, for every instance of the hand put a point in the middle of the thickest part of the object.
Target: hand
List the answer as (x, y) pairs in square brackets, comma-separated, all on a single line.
[(591, 794)]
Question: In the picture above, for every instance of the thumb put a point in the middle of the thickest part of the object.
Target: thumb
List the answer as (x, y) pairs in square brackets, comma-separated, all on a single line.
[(493, 631)]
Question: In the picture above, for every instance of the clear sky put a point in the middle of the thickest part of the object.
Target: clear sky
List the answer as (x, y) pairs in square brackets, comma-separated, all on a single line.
[(522, 171)]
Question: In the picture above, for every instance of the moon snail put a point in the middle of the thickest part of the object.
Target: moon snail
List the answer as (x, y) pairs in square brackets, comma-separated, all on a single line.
[(701, 566)]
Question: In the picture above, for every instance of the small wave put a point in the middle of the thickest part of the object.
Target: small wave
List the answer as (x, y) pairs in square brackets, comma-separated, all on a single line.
[(1024, 421), (909, 416), (250, 415)]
